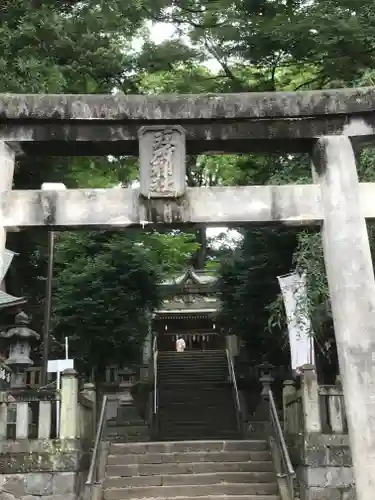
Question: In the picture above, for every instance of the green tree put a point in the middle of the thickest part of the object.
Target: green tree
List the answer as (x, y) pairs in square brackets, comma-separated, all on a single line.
[(106, 287)]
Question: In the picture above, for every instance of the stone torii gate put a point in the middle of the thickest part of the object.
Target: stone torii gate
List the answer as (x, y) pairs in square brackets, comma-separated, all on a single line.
[(161, 130)]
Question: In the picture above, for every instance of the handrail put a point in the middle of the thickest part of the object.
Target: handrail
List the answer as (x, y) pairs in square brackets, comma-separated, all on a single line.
[(155, 362), (92, 475), (232, 376), (280, 440)]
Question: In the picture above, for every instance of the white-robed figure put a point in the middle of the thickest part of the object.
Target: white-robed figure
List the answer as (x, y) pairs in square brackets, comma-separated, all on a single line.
[(180, 344)]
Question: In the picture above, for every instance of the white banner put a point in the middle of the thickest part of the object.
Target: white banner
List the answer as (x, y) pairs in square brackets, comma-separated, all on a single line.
[(294, 292)]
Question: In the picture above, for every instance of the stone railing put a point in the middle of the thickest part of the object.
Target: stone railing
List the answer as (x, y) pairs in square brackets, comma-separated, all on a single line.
[(49, 414), (316, 431), (112, 376), (313, 408), (26, 414), (43, 456)]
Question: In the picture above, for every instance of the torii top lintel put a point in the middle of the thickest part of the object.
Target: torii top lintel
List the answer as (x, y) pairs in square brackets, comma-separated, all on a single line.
[(102, 124)]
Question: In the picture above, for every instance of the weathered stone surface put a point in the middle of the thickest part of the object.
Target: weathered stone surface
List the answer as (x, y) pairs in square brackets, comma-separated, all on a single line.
[(329, 494), (299, 204), (350, 275), (39, 455), (124, 207), (41, 469), (325, 467), (41, 486), (38, 483), (186, 107), (328, 476), (101, 125), (14, 484), (63, 483), (96, 138), (69, 496)]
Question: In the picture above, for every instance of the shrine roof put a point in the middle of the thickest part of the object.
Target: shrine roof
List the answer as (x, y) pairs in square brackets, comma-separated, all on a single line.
[(190, 107), (7, 260), (193, 276), (7, 300)]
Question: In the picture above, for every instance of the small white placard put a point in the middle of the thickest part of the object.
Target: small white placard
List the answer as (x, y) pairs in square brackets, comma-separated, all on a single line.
[(59, 365)]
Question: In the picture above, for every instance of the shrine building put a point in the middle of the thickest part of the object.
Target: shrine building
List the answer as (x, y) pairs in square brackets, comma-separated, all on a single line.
[(189, 310)]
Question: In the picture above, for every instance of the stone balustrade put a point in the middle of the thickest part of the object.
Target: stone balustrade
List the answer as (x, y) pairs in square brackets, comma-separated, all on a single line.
[(42, 456), (316, 431), (49, 414), (313, 408)]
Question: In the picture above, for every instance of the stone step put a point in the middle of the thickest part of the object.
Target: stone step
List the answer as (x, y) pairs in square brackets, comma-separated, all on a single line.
[(208, 364), (191, 491), (178, 394), (124, 426), (175, 381), (191, 410), (191, 446), (124, 421), (205, 366), (191, 479), (198, 421), (185, 390), (196, 354), (188, 468), (195, 435), (192, 375), (195, 432), (197, 425), (218, 358), (130, 439), (204, 417), (212, 497), (194, 390), (119, 456), (196, 403), (127, 431), (210, 412), (189, 367)]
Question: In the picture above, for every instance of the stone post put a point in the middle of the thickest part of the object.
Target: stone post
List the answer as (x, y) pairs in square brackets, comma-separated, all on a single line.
[(289, 390), (89, 392), (44, 420), (3, 418), (22, 422), (69, 405), (310, 399), (351, 282)]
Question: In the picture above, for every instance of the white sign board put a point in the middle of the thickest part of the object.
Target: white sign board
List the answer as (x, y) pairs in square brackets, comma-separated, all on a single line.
[(59, 365)]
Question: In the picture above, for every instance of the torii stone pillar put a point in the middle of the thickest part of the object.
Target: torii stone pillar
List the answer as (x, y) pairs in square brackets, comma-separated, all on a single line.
[(7, 160), (352, 290)]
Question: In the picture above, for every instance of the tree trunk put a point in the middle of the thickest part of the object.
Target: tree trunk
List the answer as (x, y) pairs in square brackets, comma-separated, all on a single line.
[(199, 258)]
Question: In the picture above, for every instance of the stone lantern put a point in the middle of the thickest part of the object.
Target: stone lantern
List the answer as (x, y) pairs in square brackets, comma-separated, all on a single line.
[(127, 376), (266, 377), (20, 339)]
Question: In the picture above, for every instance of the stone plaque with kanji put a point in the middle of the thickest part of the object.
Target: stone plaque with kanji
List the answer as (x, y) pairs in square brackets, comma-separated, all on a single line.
[(162, 158)]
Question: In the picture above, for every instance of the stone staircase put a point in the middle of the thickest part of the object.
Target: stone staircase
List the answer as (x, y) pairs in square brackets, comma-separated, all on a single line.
[(195, 398), (218, 470)]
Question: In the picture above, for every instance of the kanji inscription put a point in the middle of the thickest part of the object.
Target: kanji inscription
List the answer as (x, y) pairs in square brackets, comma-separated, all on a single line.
[(162, 161)]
